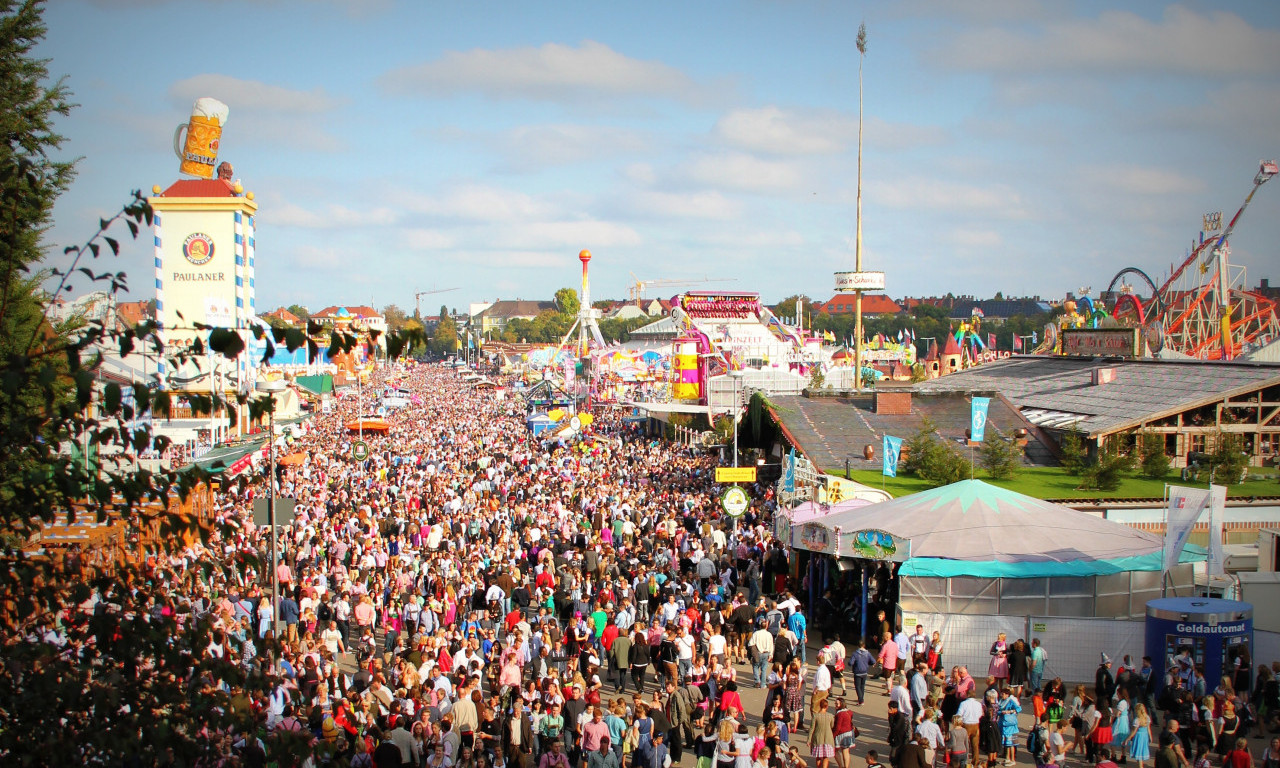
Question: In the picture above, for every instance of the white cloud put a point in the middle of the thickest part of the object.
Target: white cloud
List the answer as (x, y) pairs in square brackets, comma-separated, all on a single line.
[(480, 202), (1139, 180), (251, 95), (706, 204), (330, 216), (920, 192), (427, 239), (1181, 42), (565, 234), (540, 146), (976, 238), (777, 131), (553, 72), (737, 170), (261, 113), (640, 173)]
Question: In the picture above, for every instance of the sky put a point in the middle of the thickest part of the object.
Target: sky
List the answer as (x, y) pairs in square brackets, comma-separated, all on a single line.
[(1017, 146)]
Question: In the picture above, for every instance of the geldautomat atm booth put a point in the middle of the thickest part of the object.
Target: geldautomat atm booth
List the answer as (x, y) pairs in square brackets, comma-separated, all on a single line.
[(1212, 633)]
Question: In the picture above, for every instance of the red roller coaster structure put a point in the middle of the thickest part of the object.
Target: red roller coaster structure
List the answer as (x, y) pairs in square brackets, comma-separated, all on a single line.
[(1204, 309)]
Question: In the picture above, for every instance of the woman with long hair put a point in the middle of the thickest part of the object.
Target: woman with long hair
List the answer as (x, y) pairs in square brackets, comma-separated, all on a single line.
[(1138, 744)]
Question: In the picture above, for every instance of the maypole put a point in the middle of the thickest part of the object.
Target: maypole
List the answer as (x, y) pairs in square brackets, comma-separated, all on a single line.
[(857, 280), (857, 241)]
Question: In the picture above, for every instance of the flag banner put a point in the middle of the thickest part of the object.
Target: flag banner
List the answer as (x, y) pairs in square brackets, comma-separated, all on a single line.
[(892, 446), (789, 477), (1185, 507), (991, 340), (1217, 565), (978, 418), (1035, 338), (1017, 343)]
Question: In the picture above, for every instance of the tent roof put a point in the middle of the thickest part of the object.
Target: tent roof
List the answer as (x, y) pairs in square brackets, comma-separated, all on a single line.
[(980, 523), (319, 385)]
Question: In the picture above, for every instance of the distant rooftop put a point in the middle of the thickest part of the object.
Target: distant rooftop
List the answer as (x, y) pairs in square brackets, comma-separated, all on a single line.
[(1059, 391)]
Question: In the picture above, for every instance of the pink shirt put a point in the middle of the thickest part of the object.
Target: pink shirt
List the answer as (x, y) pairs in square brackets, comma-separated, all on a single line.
[(889, 655)]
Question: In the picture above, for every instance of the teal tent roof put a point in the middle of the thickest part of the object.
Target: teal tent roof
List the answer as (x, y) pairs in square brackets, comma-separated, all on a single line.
[(221, 458), (320, 385), (973, 528)]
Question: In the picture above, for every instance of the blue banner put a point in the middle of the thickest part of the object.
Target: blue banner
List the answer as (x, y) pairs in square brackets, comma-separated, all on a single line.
[(789, 475), (978, 418), (892, 447)]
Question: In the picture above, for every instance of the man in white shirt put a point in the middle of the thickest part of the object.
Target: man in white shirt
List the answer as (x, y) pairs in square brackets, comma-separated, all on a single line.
[(821, 683), (332, 638), (970, 714), (760, 646), (901, 696)]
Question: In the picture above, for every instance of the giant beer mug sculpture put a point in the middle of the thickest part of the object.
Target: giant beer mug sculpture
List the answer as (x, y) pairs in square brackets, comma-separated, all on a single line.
[(199, 152)]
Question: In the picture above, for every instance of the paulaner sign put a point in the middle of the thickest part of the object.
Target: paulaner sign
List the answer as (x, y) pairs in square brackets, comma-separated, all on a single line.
[(1108, 342)]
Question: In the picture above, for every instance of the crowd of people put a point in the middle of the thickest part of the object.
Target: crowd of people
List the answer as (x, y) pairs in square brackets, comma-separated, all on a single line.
[(470, 596), (938, 715)]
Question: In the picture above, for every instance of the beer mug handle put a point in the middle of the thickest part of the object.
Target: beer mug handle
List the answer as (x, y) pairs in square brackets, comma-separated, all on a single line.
[(178, 140)]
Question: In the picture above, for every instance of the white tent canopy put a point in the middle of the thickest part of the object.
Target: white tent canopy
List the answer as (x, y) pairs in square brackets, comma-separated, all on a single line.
[(973, 528)]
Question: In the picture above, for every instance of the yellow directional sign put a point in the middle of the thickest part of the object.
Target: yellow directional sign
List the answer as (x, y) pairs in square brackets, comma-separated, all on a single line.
[(735, 474)]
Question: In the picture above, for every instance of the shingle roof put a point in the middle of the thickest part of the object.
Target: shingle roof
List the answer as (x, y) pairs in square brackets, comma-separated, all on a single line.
[(517, 308), (872, 304), (1143, 390), (833, 429)]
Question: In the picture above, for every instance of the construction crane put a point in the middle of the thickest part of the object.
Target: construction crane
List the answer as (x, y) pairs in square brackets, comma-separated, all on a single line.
[(417, 299), (636, 291)]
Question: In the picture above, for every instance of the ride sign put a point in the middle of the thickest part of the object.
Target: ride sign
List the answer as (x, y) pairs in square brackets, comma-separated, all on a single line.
[(360, 450), (735, 502)]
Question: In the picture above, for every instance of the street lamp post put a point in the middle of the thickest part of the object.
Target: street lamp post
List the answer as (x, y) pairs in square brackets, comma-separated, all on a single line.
[(272, 388)]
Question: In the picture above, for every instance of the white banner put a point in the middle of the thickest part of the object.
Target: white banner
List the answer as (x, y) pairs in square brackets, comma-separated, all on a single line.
[(1185, 507), (1217, 506)]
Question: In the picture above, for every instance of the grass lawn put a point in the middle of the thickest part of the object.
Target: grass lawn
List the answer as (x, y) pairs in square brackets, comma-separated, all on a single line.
[(1056, 483)]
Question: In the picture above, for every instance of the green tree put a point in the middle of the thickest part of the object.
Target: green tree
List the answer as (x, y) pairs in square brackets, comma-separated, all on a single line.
[(1153, 462), (999, 456), (567, 303), (1106, 471), (1075, 456), (444, 340), (395, 317), (928, 458), (301, 312), (1228, 458), (787, 307)]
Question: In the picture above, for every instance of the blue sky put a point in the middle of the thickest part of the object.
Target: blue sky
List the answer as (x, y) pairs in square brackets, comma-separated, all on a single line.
[(1024, 147)]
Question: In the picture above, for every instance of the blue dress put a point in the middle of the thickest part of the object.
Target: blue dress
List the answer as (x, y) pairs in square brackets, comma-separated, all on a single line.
[(1120, 727), (1140, 746), (643, 756)]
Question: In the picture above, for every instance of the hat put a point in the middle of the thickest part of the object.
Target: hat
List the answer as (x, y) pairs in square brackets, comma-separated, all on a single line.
[(1106, 659)]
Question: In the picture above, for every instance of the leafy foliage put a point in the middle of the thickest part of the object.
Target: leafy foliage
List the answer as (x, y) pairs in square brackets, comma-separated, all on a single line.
[(1075, 456), (105, 661), (928, 458), (1000, 456), (567, 302), (1107, 470), (1228, 458), (1153, 463)]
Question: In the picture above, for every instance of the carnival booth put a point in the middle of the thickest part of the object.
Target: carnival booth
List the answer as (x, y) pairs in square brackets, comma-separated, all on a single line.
[(972, 560)]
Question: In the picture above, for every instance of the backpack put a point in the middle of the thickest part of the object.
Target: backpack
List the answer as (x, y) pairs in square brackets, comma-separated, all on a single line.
[(1036, 743)]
